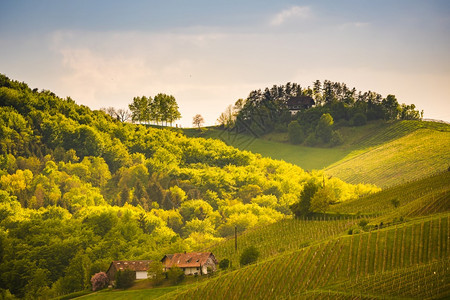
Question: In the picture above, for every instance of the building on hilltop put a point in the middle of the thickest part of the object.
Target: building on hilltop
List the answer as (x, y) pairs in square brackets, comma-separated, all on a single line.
[(194, 263), (298, 103), (140, 267)]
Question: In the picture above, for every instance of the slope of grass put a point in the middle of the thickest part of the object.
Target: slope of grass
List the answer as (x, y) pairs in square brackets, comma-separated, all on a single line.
[(421, 197), (418, 154), (306, 157), (153, 293), (333, 261), (380, 153)]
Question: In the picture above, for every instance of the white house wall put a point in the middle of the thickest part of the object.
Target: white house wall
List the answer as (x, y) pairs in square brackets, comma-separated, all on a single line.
[(141, 275)]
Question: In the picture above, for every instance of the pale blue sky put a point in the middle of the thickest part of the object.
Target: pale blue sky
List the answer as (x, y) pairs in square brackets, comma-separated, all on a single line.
[(208, 54)]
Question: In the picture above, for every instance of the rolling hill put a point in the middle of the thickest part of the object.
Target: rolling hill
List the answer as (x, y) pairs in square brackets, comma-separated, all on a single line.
[(342, 256), (380, 153)]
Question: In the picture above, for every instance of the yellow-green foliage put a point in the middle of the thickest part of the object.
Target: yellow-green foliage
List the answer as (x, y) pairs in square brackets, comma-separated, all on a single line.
[(418, 154)]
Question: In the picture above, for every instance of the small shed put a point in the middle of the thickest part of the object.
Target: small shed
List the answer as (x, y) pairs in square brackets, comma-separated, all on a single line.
[(297, 103), (140, 267), (194, 263)]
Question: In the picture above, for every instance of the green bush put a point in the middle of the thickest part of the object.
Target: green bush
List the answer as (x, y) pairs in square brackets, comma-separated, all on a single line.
[(125, 279), (336, 138), (249, 255), (359, 119), (295, 133), (224, 263), (175, 275)]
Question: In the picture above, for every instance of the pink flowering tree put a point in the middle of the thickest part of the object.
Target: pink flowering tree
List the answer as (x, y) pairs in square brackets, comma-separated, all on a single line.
[(99, 281)]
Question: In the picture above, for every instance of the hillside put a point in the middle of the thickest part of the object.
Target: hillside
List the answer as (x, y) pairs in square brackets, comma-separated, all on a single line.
[(420, 153), (380, 153), (343, 260), (343, 256), (96, 189)]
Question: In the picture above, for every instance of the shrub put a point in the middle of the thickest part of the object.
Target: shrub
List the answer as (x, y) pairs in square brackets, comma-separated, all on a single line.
[(249, 255), (295, 132), (395, 202), (311, 139), (336, 138), (125, 279), (359, 119), (363, 223), (99, 281), (224, 263), (175, 275), (156, 272)]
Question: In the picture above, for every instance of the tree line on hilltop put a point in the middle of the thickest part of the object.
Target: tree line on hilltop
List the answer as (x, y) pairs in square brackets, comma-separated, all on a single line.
[(336, 105)]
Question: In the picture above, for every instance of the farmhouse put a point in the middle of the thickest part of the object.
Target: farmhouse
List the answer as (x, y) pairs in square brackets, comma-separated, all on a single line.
[(297, 103), (194, 263), (138, 266)]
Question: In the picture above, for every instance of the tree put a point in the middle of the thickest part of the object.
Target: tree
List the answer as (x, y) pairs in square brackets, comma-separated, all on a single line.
[(249, 255), (198, 120), (324, 128), (322, 199), (156, 272), (224, 263), (359, 119), (99, 281), (125, 279), (165, 108), (391, 107), (175, 275), (123, 115), (140, 109), (303, 206), (295, 133)]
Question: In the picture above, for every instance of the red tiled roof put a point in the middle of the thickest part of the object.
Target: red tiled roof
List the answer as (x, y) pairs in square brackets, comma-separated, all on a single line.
[(134, 265), (186, 260)]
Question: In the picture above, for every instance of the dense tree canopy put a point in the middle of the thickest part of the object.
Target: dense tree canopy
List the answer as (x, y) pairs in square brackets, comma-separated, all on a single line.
[(79, 189), (267, 110)]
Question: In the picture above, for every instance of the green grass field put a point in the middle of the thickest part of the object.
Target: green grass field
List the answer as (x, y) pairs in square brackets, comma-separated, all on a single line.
[(153, 293), (418, 154), (306, 157)]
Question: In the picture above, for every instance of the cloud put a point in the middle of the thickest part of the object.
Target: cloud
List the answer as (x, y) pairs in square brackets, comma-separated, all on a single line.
[(294, 12)]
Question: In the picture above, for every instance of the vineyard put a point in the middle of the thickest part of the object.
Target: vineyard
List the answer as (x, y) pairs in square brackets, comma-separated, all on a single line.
[(420, 197), (391, 244), (283, 236), (391, 163), (320, 266)]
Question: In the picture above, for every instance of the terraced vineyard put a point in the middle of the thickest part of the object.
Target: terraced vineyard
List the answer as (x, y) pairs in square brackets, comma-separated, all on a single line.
[(420, 197), (391, 163), (425, 281), (283, 236), (331, 262)]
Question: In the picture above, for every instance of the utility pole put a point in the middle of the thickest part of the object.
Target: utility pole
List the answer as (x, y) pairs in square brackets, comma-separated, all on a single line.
[(235, 238)]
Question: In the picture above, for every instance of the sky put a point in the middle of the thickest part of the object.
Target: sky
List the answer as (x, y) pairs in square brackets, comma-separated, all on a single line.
[(208, 54)]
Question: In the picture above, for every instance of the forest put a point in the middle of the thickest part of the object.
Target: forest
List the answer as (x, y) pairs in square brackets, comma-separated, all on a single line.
[(80, 189), (335, 105)]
